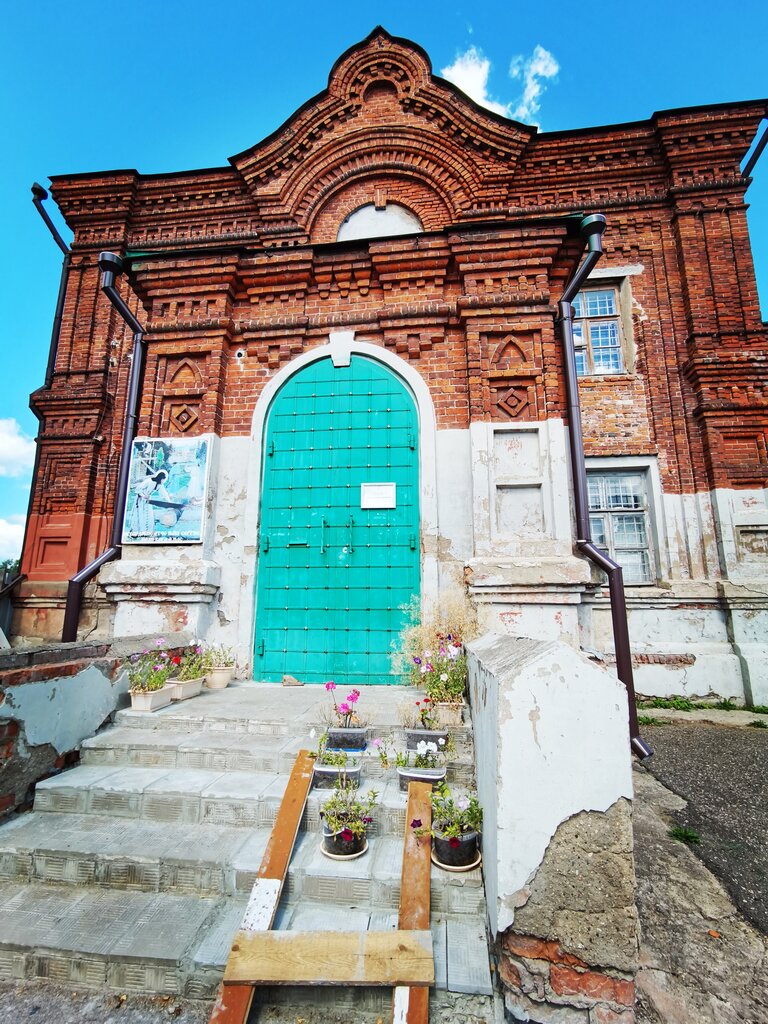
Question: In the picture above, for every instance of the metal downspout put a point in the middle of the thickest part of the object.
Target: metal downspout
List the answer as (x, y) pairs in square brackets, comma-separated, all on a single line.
[(38, 195), (592, 229), (111, 266)]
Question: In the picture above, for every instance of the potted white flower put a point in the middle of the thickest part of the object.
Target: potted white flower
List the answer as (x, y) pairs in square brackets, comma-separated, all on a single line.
[(425, 764), (219, 667)]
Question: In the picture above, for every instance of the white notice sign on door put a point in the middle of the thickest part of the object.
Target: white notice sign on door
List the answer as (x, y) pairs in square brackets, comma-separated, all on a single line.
[(378, 495)]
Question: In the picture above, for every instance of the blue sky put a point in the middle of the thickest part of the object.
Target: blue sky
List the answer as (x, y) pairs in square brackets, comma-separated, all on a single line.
[(165, 86)]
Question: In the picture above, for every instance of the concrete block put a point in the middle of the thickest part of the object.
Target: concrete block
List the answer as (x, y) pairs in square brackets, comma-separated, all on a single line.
[(468, 965), (213, 951), (12, 965)]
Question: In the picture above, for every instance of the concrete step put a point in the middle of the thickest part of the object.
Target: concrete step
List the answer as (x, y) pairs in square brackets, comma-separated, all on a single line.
[(148, 748), (200, 796), (102, 938), (81, 849), (222, 752), (268, 709), (176, 944)]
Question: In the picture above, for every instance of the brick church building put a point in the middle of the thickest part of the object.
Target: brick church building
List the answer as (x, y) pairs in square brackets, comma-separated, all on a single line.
[(351, 388)]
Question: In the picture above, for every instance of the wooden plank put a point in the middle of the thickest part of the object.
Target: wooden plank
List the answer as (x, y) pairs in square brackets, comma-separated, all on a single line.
[(411, 1005), (332, 958), (277, 855), (417, 866), (233, 1002)]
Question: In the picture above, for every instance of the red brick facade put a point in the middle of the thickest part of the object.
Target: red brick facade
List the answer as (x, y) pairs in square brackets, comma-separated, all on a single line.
[(238, 271)]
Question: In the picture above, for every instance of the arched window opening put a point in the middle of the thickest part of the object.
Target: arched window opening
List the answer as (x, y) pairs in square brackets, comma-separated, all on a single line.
[(373, 221)]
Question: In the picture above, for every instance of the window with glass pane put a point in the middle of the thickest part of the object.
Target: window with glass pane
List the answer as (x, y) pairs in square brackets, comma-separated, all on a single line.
[(596, 332), (618, 517)]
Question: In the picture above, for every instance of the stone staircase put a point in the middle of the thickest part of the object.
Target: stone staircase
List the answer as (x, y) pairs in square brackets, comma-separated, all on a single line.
[(133, 870)]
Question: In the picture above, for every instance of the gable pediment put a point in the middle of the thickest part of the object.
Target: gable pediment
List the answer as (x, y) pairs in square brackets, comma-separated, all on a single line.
[(385, 129)]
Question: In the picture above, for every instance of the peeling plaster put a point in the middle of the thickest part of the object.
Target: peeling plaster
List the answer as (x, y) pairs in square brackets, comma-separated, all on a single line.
[(63, 712), (551, 740)]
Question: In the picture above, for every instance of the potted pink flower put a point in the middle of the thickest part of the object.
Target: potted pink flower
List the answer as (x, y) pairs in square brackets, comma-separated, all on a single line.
[(346, 730), (148, 675)]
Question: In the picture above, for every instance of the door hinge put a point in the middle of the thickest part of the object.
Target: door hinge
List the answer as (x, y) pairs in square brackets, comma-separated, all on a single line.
[(265, 542), (271, 449), (412, 541), (260, 648), (411, 440)]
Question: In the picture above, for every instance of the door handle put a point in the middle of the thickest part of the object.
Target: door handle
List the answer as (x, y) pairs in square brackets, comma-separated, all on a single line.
[(350, 524), (322, 536)]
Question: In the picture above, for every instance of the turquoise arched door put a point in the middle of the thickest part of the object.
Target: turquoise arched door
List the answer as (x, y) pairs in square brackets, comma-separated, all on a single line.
[(339, 534)]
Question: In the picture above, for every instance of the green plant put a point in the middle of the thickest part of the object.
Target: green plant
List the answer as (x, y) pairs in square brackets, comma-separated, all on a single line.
[(420, 714), (758, 709), (451, 818), (758, 723), (218, 656), (650, 720), (347, 811), (725, 705), (670, 704), (684, 835), (151, 669), (191, 665), (329, 758), (380, 746)]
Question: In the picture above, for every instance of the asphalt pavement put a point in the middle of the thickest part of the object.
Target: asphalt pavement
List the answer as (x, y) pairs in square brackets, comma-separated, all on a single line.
[(722, 773)]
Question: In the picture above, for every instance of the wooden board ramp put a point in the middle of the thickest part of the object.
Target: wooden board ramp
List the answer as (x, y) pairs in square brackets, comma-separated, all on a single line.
[(401, 959), (233, 1002), (410, 1004)]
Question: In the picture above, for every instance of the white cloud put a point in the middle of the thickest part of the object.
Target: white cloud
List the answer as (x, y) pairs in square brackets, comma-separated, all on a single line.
[(470, 73), (11, 537), (533, 71), (17, 450)]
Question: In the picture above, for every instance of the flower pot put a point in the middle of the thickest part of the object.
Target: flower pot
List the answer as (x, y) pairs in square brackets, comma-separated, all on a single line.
[(325, 776), (406, 775), (352, 738), (460, 854), (220, 677), (151, 700), (414, 736), (183, 689), (449, 714), (335, 846)]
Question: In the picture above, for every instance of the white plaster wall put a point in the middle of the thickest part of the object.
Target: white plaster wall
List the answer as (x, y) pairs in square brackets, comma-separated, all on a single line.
[(454, 496), (520, 489), (742, 522), (551, 740)]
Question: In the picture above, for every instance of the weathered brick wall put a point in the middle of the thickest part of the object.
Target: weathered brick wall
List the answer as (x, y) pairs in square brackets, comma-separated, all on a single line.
[(243, 281)]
